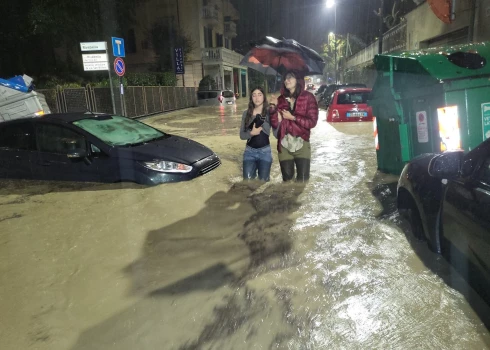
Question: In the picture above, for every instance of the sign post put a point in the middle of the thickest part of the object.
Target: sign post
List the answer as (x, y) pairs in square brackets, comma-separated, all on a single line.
[(120, 69), (179, 62), (119, 51), (97, 61)]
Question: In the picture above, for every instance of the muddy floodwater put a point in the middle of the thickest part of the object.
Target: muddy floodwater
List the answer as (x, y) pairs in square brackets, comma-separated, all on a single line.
[(216, 263)]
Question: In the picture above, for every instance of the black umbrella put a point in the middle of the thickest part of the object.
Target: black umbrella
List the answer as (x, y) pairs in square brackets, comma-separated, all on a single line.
[(284, 55), (252, 62), (293, 44)]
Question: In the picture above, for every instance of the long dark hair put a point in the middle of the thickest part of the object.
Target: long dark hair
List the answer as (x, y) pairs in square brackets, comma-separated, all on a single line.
[(251, 107), (298, 88)]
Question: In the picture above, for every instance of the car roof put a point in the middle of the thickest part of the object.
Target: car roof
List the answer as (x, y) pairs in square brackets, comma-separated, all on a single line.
[(339, 91), (59, 117), (214, 90)]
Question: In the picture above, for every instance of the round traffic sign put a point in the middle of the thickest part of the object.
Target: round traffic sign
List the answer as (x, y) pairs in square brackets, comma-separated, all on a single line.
[(119, 66)]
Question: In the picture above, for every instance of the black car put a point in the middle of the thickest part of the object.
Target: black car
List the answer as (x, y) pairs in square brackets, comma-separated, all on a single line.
[(100, 148), (446, 198), (326, 97), (321, 89), (319, 92)]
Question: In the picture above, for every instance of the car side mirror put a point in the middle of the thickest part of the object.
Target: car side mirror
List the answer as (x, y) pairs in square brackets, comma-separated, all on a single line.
[(77, 153), (446, 165)]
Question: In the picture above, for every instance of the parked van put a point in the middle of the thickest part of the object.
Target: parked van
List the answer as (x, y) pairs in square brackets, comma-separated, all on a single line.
[(215, 98)]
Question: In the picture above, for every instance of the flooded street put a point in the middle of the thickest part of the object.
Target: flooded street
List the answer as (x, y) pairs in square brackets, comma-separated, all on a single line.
[(216, 263)]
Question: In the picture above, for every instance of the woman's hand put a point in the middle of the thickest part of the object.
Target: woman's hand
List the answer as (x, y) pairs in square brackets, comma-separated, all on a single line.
[(255, 131), (287, 115)]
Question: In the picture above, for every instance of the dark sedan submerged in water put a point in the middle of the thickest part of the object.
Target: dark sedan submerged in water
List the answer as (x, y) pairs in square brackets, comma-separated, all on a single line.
[(98, 148), (446, 198)]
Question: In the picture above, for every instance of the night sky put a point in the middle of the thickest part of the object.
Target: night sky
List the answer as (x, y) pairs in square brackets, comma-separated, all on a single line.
[(309, 21)]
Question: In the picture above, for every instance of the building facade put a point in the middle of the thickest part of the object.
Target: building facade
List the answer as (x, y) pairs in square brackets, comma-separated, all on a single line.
[(421, 28), (209, 24)]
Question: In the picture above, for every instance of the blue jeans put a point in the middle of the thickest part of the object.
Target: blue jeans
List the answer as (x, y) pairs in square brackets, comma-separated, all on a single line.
[(257, 159)]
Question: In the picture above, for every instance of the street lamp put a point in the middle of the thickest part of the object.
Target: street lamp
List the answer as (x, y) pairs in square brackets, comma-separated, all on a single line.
[(330, 4)]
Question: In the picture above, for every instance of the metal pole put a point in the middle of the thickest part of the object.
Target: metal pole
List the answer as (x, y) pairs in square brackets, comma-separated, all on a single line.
[(380, 39), (110, 84), (471, 29), (121, 91), (335, 43), (183, 47)]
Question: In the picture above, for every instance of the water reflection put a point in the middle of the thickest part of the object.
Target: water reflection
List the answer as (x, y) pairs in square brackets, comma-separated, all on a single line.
[(201, 253)]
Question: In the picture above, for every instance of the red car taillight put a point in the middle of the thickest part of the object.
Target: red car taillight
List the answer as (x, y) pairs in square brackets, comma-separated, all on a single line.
[(335, 114), (220, 99)]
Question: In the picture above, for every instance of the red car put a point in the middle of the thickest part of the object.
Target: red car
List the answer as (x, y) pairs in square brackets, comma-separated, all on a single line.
[(350, 105)]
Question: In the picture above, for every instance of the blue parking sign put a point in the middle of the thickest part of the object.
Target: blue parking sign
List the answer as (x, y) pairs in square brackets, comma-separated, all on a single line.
[(118, 47)]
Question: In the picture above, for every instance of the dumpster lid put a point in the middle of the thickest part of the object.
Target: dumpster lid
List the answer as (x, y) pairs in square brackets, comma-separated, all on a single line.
[(443, 63), (20, 83)]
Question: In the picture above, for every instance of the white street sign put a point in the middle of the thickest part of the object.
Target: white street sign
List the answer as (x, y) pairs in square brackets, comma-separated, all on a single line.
[(98, 57), (91, 66), (94, 46)]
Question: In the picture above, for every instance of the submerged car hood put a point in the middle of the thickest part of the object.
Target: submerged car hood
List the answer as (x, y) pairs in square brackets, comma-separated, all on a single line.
[(171, 148)]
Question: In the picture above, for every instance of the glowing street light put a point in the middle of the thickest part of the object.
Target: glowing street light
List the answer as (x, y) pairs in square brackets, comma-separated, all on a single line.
[(330, 4)]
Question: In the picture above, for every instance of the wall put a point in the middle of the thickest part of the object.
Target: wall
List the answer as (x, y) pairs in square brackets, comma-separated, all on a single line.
[(191, 23), (423, 25), (145, 16), (482, 25)]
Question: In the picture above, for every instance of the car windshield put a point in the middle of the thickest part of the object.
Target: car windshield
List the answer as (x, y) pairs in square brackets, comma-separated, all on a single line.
[(119, 131), (352, 97), (227, 94)]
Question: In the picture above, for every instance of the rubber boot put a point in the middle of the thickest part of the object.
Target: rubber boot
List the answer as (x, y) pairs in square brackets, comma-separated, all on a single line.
[(287, 169), (302, 169)]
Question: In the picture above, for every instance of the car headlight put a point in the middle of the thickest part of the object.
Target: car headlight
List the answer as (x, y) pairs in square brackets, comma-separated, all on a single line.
[(167, 167)]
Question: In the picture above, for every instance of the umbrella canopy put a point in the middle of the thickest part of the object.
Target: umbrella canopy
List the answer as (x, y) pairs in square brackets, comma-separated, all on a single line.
[(252, 62), (284, 55), (294, 45)]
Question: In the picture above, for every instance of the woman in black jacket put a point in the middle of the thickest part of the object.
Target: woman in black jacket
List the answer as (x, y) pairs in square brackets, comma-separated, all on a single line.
[(255, 128)]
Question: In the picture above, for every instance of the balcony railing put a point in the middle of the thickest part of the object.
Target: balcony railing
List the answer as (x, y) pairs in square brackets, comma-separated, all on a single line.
[(393, 40), (210, 14), (220, 55), (230, 29)]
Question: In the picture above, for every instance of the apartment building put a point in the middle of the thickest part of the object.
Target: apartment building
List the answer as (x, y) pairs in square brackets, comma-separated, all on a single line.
[(211, 26)]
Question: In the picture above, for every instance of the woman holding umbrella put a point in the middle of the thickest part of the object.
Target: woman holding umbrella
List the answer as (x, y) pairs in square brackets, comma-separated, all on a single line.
[(292, 119)]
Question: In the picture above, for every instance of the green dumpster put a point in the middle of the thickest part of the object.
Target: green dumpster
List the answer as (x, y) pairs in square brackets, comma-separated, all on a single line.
[(430, 101)]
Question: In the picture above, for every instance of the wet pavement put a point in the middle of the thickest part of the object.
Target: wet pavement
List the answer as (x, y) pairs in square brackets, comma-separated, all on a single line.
[(216, 263)]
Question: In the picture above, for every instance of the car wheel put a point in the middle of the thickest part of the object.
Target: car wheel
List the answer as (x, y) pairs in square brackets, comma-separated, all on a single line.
[(413, 217), (408, 209)]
